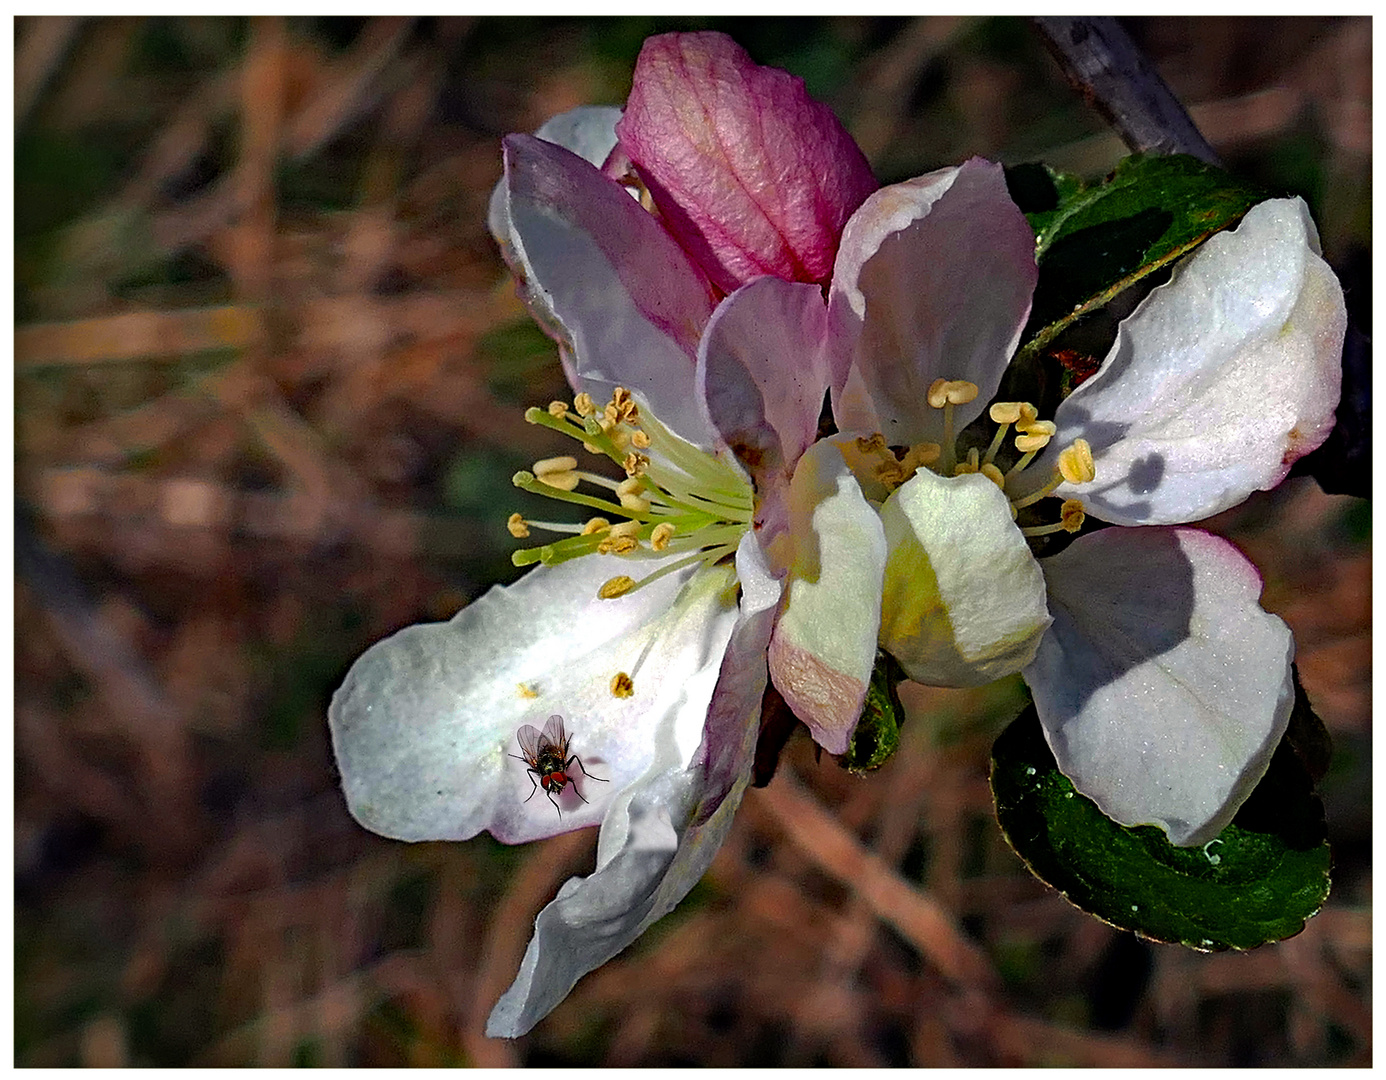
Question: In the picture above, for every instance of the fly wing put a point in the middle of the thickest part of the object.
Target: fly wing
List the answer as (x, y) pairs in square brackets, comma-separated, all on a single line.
[(530, 739), (554, 734)]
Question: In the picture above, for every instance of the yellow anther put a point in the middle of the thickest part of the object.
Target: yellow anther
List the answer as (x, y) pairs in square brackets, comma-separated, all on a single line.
[(519, 529), (617, 545), (659, 538), (630, 492), (1004, 412), (595, 525), (621, 685), (558, 409), (626, 528), (547, 466), (557, 472), (635, 464), (617, 586), (639, 440), (1075, 463), (970, 465), (583, 405), (1028, 415), (624, 405), (1071, 515), (995, 475), (951, 392), (1029, 444), (920, 455), (526, 691)]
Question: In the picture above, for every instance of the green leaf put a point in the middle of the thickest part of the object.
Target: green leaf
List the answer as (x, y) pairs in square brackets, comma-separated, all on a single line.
[(1093, 243), (1257, 881), (877, 734)]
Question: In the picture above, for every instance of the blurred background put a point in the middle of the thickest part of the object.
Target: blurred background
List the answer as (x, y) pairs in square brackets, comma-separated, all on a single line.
[(269, 380)]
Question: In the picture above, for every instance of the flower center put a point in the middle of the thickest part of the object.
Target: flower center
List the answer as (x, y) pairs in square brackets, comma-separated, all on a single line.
[(892, 468), (675, 498)]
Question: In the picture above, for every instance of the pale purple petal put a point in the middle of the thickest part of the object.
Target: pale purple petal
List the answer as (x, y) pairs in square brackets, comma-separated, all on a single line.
[(1162, 686), (824, 645), (1219, 381), (425, 721), (762, 373), (607, 281), (751, 174), (588, 131), (933, 281), (656, 845)]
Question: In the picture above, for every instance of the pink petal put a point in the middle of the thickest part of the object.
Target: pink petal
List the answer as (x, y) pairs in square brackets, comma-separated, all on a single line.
[(751, 175), (763, 373)]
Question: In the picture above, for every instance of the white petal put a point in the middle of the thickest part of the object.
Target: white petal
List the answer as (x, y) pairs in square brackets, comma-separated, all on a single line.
[(425, 722), (964, 600), (933, 280), (1162, 686), (1219, 381), (658, 844), (824, 645)]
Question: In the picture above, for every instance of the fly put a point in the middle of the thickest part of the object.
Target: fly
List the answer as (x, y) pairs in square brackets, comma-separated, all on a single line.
[(548, 761)]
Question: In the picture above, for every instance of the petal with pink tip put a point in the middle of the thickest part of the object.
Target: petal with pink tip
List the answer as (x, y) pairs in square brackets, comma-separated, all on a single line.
[(824, 645), (751, 174), (1218, 381), (1162, 686), (933, 281)]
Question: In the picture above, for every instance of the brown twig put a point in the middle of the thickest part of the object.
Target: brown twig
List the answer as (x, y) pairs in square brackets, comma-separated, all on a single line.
[(1102, 62)]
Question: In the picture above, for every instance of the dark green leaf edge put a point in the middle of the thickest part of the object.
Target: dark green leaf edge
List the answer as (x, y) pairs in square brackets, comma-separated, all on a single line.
[(1082, 207), (1286, 790)]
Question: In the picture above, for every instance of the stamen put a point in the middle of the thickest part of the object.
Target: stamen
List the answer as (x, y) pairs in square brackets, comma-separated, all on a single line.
[(1071, 520), (1075, 463), (659, 538), (621, 685), (557, 472), (617, 586), (583, 405), (558, 410), (635, 464), (992, 473), (639, 440), (518, 527), (595, 525), (1036, 437)]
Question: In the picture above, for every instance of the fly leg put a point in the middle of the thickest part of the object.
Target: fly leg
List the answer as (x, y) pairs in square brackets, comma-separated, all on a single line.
[(533, 786), (549, 793), (569, 764)]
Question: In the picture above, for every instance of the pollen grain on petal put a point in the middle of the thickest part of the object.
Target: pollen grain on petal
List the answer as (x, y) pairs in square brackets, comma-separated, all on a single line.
[(526, 691), (621, 685)]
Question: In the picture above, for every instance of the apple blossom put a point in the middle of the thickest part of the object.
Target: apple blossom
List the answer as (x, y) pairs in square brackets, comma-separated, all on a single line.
[(737, 546)]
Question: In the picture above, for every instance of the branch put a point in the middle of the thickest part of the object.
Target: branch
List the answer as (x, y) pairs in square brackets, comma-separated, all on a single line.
[(1103, 64)]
